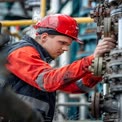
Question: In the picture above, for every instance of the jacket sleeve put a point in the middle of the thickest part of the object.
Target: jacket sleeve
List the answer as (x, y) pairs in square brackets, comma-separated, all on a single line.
[(26, 64), (84, 85)]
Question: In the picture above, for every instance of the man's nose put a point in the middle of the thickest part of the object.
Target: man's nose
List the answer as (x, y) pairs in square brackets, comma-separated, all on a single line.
[(65, 48)]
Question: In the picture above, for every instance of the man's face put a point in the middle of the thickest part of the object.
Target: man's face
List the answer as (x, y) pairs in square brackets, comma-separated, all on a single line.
[(55, 44)]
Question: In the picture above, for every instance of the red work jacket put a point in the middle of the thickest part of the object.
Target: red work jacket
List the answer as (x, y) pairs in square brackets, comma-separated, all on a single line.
[(27, 64)]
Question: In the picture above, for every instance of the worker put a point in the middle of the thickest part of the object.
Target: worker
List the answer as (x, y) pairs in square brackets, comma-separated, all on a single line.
[(34, 80)]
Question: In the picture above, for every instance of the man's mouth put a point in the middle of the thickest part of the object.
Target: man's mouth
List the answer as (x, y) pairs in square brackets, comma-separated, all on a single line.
[(59, 53)]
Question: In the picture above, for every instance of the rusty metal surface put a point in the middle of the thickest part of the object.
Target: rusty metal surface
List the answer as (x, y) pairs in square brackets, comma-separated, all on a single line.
[(107, 15), (95, 106)]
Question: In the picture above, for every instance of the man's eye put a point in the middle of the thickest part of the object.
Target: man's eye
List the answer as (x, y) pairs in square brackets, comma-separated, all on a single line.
[(63, 43)]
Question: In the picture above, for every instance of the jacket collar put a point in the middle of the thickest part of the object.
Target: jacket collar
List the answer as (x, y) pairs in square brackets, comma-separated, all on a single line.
[(43, 53)]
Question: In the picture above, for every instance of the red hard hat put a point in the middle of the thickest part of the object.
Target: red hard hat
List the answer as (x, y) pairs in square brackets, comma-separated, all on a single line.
[(63, 24)]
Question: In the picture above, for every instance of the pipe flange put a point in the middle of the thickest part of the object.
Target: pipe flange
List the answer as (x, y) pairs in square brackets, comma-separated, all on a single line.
[(95, 105), (116, 13), (98, 66)]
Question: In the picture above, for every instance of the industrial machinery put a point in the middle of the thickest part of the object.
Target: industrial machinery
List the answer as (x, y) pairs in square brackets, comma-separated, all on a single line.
[(108, 16)]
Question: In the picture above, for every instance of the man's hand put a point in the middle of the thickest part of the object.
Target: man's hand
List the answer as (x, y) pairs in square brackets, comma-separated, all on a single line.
[(105, 45)]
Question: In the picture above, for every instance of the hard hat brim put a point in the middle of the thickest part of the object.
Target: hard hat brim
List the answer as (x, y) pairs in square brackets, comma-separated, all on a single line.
[(78, 40)]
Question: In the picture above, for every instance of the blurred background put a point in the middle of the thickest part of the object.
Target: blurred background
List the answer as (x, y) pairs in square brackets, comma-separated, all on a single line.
[(19, 16)]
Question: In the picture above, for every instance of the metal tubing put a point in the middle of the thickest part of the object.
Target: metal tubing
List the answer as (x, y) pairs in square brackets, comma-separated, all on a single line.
[(36, 12), (17, 22), (120, 107), (29, 22), (73, 104), (43, 8), (79, 121), (84, 20), (120, 33)]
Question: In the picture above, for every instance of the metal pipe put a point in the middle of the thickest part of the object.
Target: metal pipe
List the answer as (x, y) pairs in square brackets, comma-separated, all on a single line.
[(17, 22), (79, 121), (43, 8), (54, 7), (62, 97), (29, 22), (73, 104), (105, 88), (120, 108), (120, 33), (36, 12), (83, 108), (84, 20)]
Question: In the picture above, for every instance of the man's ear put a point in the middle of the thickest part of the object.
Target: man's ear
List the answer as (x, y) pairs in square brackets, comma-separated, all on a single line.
[(44, 37)]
